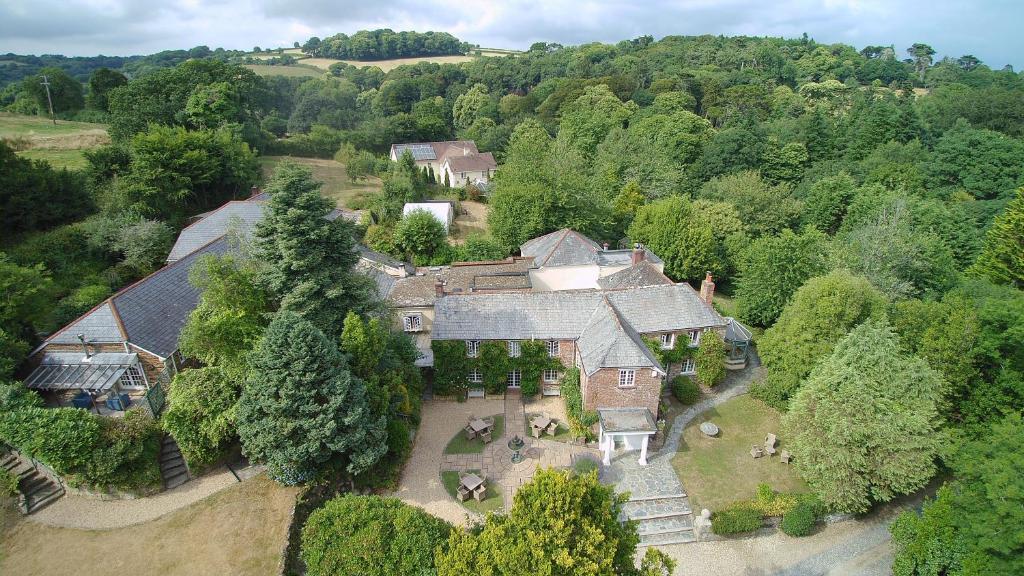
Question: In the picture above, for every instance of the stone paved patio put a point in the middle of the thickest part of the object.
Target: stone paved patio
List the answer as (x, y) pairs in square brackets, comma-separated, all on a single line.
[(421, 485)]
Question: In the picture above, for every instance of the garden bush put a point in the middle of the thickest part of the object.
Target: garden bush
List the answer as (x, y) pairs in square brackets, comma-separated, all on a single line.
[(736, 518), (800, 519), (580, 420), (685, 390), (126, 454), (371, 536), (772, 503), (201, 414), (8, 483)]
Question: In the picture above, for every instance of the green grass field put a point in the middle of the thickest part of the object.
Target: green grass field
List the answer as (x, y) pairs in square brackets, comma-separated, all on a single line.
[(492, 501), (717, 471), (336, 184), (460, 445), (70, 159), (291, 71), (61, 145), (14, 125)]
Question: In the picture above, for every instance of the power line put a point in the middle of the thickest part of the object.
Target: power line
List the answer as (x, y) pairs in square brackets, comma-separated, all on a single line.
[(46, 83)]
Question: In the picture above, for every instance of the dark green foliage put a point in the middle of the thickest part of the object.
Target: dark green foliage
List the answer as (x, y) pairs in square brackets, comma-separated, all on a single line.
[(384, 44), (679, 234), (102, 81), (201, 414), (8, 483), (710, 359), (773, 268), (736, 519), (955, 164), (301, 410), (309, 259), (800, 519), (420, 234), (1002, 258), (34, 196), (65, 91), (685, 390), (451, 367), (372, 536), (580, 420), (126, 453), (929, 543)]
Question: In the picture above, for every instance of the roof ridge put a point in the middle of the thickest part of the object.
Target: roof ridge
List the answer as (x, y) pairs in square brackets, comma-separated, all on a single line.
[(633, 335), (565, 232)]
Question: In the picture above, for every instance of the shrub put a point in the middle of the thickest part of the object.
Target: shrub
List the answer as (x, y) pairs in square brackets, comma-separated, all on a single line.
[(61, 438), (710, 359), (771, 503), (371, 536), (8, 483), (201, 415), (685, 390), (580, 420), (736, 518), (126, 455), (800, 519)]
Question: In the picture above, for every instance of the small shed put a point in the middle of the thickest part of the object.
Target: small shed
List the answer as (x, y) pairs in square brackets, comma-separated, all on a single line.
[(442, 210)]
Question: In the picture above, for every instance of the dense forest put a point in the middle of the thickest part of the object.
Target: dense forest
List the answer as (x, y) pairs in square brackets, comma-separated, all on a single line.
[(383, 44), (862, 209)]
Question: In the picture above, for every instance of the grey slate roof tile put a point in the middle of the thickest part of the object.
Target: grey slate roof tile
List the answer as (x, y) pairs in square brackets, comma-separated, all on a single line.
[(643, 274), (245, 213), (97, 325), (608, 341)]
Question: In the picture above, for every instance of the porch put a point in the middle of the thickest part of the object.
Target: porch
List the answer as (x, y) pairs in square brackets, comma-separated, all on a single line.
[(107, 383), (628, 429)]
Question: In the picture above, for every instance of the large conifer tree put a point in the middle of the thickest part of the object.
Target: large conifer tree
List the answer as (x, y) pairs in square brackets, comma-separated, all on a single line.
[(1002, 259)]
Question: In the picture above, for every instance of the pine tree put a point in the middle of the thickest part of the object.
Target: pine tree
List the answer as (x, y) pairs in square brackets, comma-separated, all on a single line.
[(301, 408), (1002, 259), (309, 259)]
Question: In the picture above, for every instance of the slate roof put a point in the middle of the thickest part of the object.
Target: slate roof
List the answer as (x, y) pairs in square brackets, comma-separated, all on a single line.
[(567, 247), (154, 309), (608, 341), (414, 291), (245, 213), (97, 325), (383, 281), (643, 274), (471, 162), (664, 308), (626, 420), (383, 259)]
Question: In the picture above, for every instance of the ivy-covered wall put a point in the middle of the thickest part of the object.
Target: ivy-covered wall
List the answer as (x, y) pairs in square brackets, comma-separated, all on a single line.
[(452, 366)]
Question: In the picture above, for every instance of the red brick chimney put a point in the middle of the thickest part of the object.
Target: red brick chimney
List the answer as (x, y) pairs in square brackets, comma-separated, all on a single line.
[(254, 191), (438, 288), (638, 253), (707, 289)]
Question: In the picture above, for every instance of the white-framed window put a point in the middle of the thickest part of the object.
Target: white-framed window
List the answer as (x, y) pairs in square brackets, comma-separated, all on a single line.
[(513, 349), (475, 376), (695, 338), (668, 341), (515, 378), (552, 348), (132, 378), (689, 367), (472, 348), (551, 375), (412, 322), (627, 378)]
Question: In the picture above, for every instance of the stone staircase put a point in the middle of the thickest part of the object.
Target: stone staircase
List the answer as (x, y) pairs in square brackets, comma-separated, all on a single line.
[(661, 520), (37, 490), (173, 469)]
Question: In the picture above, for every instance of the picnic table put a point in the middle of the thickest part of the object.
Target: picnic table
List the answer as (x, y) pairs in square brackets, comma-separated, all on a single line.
[(471, 481), (478, 425), (540, 422)]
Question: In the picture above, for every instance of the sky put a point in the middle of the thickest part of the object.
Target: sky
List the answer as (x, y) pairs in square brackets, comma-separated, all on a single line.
[(988, 29)]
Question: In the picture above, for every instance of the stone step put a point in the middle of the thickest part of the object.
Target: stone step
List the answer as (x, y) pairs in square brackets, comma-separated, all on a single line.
[(39, 501), (655, 508), (664, 525), (658, 497), (173, 468), (176, 480), (668, 538), (168, 456)]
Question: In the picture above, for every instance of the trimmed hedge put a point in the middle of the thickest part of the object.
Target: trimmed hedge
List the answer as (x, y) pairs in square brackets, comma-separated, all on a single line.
[(736, 518), (800, 519), (685, 390)]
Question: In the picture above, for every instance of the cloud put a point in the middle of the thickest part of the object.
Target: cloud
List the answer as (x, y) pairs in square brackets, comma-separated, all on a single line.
[(84, 27)]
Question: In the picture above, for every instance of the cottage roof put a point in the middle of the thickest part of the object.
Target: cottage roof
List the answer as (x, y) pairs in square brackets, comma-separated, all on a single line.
[(243, 214), (643, 274), (384, 260), (567, 247), (383, 281), (510, 274), (434, 150), (608, 341), (664, 308), (98, 325), (471, 162), (626, 420), (414, 291)]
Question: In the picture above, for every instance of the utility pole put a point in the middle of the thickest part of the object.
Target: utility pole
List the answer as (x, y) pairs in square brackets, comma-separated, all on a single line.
[(46, 83)]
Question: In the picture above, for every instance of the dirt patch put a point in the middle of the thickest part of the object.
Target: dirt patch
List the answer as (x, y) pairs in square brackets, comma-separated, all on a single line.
[(474, 221), (240, 530), (336, 184)]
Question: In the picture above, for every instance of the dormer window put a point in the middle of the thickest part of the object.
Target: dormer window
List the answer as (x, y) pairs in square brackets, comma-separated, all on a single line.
[(472, 348), (513, 349), (668, 341), (412, 323)]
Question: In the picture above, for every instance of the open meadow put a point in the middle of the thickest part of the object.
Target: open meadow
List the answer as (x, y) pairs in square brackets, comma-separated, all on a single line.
[(337, 185), (295, 71), (62, 144)]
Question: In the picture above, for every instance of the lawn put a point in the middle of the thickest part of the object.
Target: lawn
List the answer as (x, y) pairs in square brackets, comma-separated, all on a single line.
[(459, 445), (473, 222), (291, 71), (240, 530), (337, 185), (717, 471), (70, 159), (12, 125), (387, 65), (492, 501), (562, 435)]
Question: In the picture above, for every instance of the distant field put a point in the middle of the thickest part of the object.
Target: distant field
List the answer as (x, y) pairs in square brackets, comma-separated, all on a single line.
[(38, 138), (337, 186), (296, 71), (385, 65)]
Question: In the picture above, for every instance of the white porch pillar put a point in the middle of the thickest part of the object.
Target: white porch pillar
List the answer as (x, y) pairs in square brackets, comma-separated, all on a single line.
[(643, 450), (608, 443)]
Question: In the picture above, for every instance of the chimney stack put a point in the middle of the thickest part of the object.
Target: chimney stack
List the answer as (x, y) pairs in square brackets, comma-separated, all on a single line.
[(638, 253), (707, 289), (439, 288), (254, 191), (605, 246)]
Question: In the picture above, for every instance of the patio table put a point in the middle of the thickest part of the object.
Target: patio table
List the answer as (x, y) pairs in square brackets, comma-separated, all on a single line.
[(471, 481), (478, 425), (540, 422)]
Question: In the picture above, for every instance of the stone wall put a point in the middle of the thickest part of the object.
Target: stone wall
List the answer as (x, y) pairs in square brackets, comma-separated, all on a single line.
[(601, 390)]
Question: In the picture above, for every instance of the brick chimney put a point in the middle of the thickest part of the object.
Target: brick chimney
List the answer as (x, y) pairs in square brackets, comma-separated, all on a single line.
[(707, 289), (254, 191), (638, 253), (439, 288), (605, 246)]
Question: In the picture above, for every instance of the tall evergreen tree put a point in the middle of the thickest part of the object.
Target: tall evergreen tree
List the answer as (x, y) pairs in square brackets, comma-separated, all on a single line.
[(1002, 259), (309, 259), (301, 409)]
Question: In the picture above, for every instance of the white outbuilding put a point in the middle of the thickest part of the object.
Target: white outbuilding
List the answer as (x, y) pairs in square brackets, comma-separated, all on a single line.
[(442, 210)]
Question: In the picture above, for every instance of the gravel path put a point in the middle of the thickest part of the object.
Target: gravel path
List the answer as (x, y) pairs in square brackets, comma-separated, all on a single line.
[(90, 514)]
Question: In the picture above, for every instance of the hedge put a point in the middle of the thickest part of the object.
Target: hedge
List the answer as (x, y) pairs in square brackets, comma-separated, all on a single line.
[(580, 420), (8, 482), (685, 390), (800, 520), (736, 518)]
